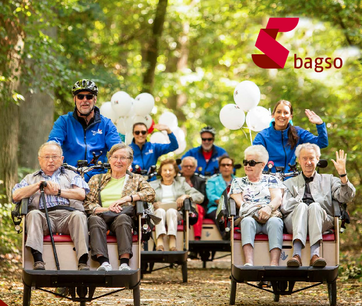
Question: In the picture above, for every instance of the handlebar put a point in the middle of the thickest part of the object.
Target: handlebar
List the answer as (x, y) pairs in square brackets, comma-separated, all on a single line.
[(82, 170)]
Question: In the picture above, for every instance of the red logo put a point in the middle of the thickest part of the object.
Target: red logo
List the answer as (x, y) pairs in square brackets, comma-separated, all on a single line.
[(275, 55)]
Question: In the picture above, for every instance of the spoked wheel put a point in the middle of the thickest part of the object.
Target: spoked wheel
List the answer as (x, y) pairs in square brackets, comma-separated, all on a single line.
[(26, 295), (332, 293)]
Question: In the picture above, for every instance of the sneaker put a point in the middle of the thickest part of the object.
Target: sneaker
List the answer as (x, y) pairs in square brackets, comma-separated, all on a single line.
[(124, 267), (39, 265), (248, 264), (83, 267), (106, 266)]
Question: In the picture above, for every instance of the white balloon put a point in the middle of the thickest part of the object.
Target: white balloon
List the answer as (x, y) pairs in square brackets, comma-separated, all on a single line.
[(121, 125), (121, 103), (143, 104), (181, 147), (258, 118), (169, 119), (247, 95), (232, 117), (144, 119), (179, 134), (107, 111), (159, 137)]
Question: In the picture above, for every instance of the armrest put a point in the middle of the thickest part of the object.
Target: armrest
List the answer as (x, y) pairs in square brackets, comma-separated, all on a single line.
[(232, 206), (187, 204), (336, 208), (140, 207)]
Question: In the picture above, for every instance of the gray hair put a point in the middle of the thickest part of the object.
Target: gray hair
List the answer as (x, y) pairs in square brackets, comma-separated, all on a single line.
[(193, 160), (259, 151), (121, 146), (51, 143), (308, 146)]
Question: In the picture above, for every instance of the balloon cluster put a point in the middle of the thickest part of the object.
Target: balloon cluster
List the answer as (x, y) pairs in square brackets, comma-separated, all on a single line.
[(171, 121), (246, 97), (125, 111)]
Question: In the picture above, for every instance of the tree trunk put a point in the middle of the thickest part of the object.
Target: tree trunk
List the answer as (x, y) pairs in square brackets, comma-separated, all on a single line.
[(35, 122), (151, 47)]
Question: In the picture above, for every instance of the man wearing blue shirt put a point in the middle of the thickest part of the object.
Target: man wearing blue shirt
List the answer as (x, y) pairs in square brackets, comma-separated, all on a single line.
[(84, 131)]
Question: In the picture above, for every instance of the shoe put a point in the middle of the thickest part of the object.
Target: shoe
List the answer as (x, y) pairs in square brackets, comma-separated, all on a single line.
[(295, 262), (83, 267), (173, 249), (106, 266), (317, 262), (124, 267), (39, 265), (160, 248), (248, 264)]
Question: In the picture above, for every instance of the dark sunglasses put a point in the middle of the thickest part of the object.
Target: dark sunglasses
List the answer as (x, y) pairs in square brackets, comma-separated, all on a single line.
[(252, 163), (88, 97), (142, 132), (207, 139)]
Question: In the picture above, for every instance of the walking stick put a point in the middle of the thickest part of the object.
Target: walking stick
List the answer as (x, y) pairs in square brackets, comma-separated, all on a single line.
[(43, 184)]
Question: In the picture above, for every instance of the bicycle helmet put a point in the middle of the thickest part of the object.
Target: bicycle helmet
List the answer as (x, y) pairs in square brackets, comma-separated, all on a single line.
[(85, 85), (208, 129)]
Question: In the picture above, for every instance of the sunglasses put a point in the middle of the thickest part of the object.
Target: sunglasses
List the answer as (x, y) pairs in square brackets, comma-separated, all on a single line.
[(140, 132), (207, 139), (252, 163), (81, 97)]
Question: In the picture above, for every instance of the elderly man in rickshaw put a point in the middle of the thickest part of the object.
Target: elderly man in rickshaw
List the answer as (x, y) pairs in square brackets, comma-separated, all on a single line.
[(64, 194), (307, 202)]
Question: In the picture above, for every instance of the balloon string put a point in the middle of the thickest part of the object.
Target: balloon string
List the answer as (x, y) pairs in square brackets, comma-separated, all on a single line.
[(251, 138)]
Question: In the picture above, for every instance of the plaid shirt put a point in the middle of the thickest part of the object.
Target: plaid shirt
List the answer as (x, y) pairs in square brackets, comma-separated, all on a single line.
[(133, 185), (52, 200)]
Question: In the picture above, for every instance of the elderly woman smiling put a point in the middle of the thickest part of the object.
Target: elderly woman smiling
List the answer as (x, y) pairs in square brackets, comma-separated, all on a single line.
[(258, 196), (115, 191), (171, 190)]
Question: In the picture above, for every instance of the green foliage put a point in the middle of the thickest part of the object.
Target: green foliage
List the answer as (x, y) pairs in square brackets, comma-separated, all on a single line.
[(10, 239)]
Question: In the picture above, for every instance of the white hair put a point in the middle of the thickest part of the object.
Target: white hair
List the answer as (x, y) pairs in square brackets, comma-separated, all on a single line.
[(51, 143), (259, 151), (193, 160), (308, 146)]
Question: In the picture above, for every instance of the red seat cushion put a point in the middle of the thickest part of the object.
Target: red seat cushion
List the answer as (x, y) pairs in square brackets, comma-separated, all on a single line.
[(208, 221)]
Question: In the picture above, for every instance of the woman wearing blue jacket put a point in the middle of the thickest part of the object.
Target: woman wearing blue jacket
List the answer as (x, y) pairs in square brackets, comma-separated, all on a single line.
[(282, 138), (147, 153)]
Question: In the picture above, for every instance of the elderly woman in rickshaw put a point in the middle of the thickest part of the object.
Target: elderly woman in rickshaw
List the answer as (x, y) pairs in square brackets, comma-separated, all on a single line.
[(171, 191), (258, 197), (110, 204)]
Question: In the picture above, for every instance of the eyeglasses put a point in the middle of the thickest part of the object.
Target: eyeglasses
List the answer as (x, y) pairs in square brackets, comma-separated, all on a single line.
[(122, 158), (187, 166), (54, 157), (252, 163), (81, 97), (207, 139), (226, 165), (142, 132)]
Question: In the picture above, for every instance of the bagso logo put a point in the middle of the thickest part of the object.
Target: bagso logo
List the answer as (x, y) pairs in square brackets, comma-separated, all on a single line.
[(275, 55)]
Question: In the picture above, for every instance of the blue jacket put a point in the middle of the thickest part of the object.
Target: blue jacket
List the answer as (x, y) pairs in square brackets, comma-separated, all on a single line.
[(215, 186), (280, 152), (79, 143), (212, 166), (150, 152)]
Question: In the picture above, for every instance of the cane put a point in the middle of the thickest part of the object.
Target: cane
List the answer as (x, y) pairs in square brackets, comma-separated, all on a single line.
[(43, 184)]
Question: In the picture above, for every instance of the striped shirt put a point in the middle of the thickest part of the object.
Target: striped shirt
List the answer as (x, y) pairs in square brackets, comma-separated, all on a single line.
[(53, 200)]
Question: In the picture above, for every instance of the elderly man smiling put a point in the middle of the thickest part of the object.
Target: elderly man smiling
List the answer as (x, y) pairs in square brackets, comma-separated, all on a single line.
[(64, 195), (307, 203)]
